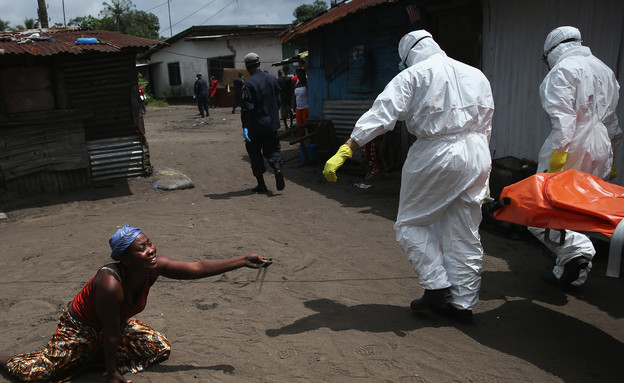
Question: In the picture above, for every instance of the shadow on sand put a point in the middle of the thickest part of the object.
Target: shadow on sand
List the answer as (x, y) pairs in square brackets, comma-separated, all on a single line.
[(562, 345), (10, 201)]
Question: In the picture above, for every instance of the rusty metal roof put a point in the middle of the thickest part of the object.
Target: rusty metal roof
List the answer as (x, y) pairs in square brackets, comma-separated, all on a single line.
[(331, 15), (52, 41)]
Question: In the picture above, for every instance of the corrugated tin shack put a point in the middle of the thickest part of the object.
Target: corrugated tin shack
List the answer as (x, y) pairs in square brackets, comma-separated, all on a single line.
[(353, 54), (69, 109)]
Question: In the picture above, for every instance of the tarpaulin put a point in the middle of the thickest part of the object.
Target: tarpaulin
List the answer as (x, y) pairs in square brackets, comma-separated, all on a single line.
[(570, 200)]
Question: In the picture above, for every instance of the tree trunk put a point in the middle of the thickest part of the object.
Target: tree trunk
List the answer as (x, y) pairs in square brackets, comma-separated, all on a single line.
[(42, 13)]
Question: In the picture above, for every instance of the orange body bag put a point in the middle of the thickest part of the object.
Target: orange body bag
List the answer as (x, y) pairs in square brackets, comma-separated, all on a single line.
[(570, 200)]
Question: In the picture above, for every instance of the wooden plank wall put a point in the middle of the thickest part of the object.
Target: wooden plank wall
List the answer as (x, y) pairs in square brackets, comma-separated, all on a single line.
[(105, 85), (43, 148)]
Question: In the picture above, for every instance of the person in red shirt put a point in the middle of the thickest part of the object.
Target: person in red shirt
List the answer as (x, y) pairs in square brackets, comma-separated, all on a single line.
[(142, 98), (301, 99), (99, 319), (213, 91)]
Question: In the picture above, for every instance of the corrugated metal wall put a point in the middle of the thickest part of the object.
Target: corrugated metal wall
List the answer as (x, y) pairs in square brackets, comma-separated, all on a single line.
[(344, 114), (116, 158), (513, 40)]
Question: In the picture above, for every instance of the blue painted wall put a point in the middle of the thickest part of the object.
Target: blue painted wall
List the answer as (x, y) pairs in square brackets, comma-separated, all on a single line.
[(355, 57)]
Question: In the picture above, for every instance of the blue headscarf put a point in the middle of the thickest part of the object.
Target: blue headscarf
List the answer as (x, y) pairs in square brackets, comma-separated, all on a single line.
[(120, 241)]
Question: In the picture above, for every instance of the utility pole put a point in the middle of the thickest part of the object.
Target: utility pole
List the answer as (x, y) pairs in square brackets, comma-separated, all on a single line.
[(170, 29), (64, 22), (42, 13)]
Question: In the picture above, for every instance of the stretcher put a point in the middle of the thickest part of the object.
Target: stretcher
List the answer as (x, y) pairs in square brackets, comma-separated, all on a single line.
[(568, 200)]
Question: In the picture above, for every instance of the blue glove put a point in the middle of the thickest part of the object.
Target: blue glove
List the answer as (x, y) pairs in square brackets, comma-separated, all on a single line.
[(246, 134)]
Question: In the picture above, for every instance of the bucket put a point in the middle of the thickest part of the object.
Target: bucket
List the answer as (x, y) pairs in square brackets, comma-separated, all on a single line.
[(311, 151), (507, 171)]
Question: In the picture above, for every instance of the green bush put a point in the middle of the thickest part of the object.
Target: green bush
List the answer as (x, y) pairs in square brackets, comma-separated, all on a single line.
[(149, 99)]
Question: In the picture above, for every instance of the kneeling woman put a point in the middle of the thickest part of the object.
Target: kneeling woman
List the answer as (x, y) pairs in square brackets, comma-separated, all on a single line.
[(99, 319)]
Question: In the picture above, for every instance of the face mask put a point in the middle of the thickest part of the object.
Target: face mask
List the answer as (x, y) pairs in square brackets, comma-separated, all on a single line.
[(545, 55), (403, 63)]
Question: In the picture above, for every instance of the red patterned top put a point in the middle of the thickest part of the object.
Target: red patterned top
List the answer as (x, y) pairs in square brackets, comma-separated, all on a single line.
[(85, 307)]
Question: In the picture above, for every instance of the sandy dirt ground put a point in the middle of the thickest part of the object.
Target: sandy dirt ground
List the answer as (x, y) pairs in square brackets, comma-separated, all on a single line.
[(334, 306)]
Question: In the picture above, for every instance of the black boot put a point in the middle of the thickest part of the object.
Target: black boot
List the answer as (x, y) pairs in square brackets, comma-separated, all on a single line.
[(572, 269), (261, 188), (549, 277), (279, 180), (432, 299)]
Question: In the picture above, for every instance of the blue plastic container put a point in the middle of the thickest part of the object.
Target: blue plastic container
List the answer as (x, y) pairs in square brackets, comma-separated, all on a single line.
[(310, 149), (87, 40)]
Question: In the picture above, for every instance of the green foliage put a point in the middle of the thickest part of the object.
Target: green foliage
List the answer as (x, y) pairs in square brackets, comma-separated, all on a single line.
[(120, 16), (118, 12), (31, 23), (144, 24), (28, 24), (307, 12), (108, 24), (4, 25), (151, 101), (86, 22), (142, 82)]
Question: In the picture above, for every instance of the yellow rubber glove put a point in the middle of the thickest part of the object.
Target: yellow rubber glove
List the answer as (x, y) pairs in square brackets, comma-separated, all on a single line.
[(613, 169), (332, 164), (557, 160)]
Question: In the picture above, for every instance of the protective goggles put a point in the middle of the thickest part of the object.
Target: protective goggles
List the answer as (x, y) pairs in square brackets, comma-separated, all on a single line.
[(408, 51), (545, 55)]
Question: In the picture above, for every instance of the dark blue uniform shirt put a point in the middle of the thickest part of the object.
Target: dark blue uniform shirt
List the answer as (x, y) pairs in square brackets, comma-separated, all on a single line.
[(260, 104), (238, 86), (201, 87)]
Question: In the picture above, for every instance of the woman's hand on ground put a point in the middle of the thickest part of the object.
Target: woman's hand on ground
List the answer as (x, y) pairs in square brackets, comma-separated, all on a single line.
[(256, 261)]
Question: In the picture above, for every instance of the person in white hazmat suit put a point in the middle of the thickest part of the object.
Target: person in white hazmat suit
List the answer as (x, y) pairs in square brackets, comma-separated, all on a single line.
[(580, 95), (448, 106)]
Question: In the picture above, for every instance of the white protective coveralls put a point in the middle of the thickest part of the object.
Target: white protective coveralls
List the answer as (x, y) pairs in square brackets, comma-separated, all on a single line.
[(580, 95), (448, 106)]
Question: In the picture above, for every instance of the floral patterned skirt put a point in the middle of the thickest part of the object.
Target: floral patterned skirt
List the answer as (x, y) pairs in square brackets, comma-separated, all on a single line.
[(77, 346)]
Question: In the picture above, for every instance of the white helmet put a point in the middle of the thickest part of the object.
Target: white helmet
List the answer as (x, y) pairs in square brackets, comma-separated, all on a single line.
[(558, 36), (409, 41)]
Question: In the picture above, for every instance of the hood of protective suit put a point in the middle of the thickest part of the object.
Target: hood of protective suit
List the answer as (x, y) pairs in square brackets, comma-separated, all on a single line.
[(564, 49), (557, 35), (414, 53), (554, 45)]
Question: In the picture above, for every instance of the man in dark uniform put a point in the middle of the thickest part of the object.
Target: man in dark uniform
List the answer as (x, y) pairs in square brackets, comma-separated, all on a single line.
[(238, 91), (286, 94), (201, 93), (260, 119)]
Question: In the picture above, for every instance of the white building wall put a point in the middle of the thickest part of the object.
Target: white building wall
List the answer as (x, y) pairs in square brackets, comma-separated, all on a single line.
[(513, 40), (193, 57)]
